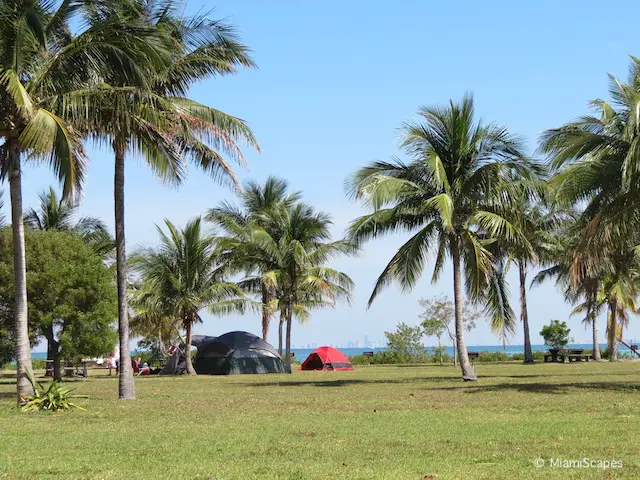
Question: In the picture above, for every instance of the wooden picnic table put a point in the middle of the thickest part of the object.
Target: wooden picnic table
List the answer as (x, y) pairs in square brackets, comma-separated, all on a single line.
[(570, 355)]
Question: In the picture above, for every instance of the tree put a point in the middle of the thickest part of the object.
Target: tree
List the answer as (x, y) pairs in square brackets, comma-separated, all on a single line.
[(163, 126), (405, 344), (576, 274), (72, 298), (448, 196), (262, 205), (44, 65), (301, 246), (438, 316), (183, 277), (556, 334)]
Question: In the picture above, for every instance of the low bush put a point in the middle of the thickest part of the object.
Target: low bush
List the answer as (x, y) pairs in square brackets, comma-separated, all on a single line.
[(52, 398)]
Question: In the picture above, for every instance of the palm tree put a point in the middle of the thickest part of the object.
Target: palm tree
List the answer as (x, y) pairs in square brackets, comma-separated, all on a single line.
[(262, 205), (42, 66), (183, 277), (301, 247), (56, 213), (448, 196), (157, 122), (575, 273)]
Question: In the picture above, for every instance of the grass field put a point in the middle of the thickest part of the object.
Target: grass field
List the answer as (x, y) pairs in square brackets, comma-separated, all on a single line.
[(413, 422)]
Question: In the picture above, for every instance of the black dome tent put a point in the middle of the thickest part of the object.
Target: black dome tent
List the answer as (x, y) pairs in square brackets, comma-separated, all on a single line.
[(237, 352)]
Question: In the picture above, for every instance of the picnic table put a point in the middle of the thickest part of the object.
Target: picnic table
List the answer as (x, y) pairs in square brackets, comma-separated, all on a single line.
[(473, 356), (570, 355)]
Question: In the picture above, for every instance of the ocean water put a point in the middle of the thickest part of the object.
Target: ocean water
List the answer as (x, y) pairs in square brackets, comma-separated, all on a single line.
[(301, 353)]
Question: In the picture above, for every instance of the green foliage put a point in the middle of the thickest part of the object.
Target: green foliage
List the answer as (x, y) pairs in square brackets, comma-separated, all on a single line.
[(52, 398), (404, 345), (70, 291), (537, 356), (556, 334), (493, 357), (456, 174)]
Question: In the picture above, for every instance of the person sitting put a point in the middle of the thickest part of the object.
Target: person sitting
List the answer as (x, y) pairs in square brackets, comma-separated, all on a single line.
[(144, 369), (135, 364)]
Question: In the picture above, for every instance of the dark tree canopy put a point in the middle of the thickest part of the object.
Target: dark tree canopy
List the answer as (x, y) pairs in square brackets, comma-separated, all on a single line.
[(71, 293)]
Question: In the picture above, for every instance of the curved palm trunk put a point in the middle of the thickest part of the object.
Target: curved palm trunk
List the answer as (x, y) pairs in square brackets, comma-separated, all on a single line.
[(613, 331), (265, 313), (187, 354), (21, 325), (468, 375), (524, 313), (126, 385)]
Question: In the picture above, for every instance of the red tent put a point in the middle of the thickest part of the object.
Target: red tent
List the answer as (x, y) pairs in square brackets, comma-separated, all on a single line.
[(326, 358)]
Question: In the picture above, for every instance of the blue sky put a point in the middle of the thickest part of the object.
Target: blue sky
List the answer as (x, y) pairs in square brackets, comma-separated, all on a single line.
[(337, 78)]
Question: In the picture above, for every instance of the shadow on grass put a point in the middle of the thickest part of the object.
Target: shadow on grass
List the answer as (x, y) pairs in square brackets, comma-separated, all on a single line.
[(469, 388)]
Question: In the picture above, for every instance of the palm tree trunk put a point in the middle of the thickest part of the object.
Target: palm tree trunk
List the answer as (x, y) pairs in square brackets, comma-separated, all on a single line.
[(287, 358), (187, 353), (126, 384), (440, 350), (594, 324), (21, 325), (613, 331), (468, 375), (283, 317), (265, 313), (524, 313)]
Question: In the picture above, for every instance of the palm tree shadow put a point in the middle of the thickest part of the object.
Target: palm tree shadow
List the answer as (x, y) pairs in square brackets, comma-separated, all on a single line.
[(550, 388)]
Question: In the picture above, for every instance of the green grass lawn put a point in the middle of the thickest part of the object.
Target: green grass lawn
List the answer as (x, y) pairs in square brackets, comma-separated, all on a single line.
[(412, 422)]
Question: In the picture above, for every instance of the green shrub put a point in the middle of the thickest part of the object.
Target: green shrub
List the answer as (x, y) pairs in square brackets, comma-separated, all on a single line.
[(538, 356), (52, 398), (493, 357)]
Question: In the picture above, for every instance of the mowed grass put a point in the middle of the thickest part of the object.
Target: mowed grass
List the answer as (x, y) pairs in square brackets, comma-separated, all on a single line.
[(381, 422)]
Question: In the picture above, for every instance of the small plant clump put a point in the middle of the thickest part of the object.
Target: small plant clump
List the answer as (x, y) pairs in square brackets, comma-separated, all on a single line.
[(53, 397)]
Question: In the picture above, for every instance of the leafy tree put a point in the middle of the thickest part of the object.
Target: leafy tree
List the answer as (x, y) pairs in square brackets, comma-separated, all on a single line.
[(72, 298), (44, 65), (438, 317), (182, 277), (405, 344), (556, 334), (450, 195)]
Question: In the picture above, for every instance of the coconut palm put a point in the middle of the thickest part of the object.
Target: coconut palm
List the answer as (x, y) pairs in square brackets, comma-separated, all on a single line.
[(184, 277), (596, 165), (159, 123), (301, 247), (56, 213), (575, 273), (42, 66), (448, 196), (262, 205)]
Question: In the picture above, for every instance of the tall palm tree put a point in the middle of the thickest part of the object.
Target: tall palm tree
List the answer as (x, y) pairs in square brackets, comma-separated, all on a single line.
[(447, 195), (262, 205), (301, 247), (43, 65), (596, 165), (160, 124), (184, 277)]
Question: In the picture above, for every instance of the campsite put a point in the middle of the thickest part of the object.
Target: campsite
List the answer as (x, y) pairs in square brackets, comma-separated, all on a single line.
[(256, 240)]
